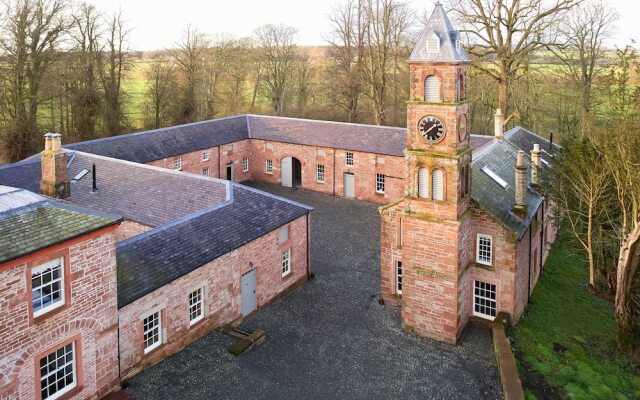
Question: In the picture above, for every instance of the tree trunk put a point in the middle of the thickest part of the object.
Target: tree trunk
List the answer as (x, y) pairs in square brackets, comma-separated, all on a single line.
[(627, 267)]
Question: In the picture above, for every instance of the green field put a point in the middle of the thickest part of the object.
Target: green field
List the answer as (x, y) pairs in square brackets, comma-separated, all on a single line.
[(565, 342)]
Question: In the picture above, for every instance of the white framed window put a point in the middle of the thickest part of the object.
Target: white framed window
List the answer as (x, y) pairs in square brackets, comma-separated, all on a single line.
[(286, 262), (196, 306), (268, 168), (399, 277), (484, 300), (349, 159), (58, 372), (379, 183), (320, 173), (483, 249), (205, 171), (177, 163), (437, 185), (283, 234), (423, 183), (245, 164), (432, 89), (205, 155), (47, 286), (152, 326)]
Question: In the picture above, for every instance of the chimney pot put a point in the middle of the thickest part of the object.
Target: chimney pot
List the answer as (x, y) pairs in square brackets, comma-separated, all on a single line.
[(521, 184), (499, 124), (535, 165)]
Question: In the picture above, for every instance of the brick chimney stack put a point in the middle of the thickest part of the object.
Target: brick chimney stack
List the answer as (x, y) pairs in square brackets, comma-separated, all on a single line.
[(520, 207), (535, 165), (55, 179), (499, 124)]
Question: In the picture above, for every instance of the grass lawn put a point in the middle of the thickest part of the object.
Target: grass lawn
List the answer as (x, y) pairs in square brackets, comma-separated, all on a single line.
[(565, 342)]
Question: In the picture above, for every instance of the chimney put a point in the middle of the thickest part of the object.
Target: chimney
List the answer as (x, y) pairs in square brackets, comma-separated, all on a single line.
[(55, 180), (535, 165), (520, 208), (499, 127)]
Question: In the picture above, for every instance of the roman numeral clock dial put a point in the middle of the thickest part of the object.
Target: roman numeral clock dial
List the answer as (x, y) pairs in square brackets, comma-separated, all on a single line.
[(431, 129)]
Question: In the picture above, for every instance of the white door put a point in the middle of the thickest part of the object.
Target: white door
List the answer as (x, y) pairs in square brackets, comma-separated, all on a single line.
[(286, 167), (248, 292), (349, 185)]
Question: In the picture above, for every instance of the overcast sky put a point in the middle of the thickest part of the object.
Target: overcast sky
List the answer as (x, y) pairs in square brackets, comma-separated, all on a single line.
[(159, 23)]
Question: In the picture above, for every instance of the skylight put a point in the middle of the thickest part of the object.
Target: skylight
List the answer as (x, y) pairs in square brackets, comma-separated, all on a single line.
[(546, 152), (545, 162), (495, 177), (80, 175)]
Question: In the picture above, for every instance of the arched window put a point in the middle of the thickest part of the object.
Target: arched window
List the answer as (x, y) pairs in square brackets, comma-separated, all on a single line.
[(460, 91), (467, 179), (437, 184), (433, 44), (432, 89), (423, 183)]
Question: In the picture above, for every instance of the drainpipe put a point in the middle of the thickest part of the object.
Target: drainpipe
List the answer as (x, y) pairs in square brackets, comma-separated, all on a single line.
[(334, 172), (529, 280), (219, 161), (542, 238), (309, 277)]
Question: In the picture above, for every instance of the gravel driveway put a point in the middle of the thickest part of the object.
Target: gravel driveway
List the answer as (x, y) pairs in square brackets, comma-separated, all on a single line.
[(330, 339)]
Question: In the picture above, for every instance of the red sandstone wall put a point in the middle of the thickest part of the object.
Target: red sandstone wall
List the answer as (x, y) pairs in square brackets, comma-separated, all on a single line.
[(390, 252), (365, 168), (192, 162), (89, 318), (221, 281), (129, 229)]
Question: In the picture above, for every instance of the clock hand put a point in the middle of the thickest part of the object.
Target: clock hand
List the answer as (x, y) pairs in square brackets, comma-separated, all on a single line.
[(429, 130)]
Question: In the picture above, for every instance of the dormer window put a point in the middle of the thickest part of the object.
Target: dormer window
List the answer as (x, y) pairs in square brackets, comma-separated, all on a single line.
[(433, 44), (458, 45)]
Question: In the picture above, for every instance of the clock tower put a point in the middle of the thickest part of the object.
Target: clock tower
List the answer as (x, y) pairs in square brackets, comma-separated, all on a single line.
[(426, 242)]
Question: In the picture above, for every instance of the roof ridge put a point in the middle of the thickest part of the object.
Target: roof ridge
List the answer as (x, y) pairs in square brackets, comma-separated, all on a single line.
[(174, 223), (152, 131), (152, 167), (273, 196), (326, 122)]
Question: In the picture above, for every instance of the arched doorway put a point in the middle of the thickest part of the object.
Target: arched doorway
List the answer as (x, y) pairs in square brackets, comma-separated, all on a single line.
[(291, 172)]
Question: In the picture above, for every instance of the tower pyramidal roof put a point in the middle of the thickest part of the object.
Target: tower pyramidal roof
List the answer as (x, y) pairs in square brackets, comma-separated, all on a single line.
[(439, 42)]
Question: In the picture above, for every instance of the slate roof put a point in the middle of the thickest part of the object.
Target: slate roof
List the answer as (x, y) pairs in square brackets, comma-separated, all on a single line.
[(440, 26), (339, 135), (148, 195), (500, 157), (30, 222), (524, 140), (157, 144), (162, 255)]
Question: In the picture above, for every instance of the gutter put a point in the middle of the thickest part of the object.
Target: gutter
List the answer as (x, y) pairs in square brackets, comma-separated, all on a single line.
[(529, 280)]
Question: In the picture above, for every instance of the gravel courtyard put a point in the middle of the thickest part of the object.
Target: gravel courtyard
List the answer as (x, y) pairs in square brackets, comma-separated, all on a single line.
[(330, 339)]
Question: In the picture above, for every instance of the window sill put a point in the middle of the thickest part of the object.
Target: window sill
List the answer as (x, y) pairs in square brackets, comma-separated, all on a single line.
[(480, 265), (50, 313), (380, 193), (194, 323), (152, 350), (70, 394), (287, 275)]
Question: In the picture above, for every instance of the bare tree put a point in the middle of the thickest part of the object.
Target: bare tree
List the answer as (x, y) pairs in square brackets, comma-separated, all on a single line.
[(386, 20), (257, 72), (217, 59), (279, 52), (346, 69), (114, 60), (189, 56), (584, 32), (505, 33), (239, 67), (305, 72), (85, 96), (30, 36), (159, 96)]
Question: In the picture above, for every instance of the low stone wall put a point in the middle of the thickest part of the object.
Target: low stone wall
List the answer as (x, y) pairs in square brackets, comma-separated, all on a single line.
[(511, 384)]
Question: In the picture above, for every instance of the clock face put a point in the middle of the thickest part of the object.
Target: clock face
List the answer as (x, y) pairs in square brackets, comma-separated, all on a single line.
[(431, 129), (462, 128)]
